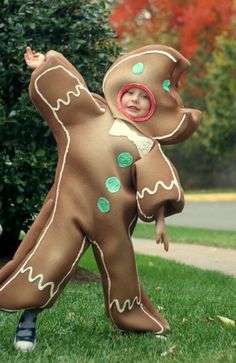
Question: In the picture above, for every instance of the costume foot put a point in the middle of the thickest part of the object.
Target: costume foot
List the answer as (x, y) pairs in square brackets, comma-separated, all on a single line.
[(25, 339)]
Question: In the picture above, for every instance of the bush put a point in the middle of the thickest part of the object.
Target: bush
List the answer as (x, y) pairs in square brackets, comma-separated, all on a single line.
[(78, 29)]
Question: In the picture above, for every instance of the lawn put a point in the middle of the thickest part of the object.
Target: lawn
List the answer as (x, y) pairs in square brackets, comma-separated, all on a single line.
[(207, 237), (76, 330)]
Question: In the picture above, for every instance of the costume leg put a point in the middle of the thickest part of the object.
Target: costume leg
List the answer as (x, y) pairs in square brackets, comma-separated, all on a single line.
[(152, 310), (125, 301), (28, 242), (47, 268)]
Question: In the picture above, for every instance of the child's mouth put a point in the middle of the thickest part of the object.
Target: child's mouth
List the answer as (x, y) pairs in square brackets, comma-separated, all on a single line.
[(133, 108)]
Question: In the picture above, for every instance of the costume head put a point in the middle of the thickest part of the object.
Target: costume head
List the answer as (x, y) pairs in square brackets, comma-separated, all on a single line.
[(156, 69)]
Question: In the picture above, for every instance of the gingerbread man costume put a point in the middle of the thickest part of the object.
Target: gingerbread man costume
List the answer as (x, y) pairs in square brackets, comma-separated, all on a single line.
[(111, 170)]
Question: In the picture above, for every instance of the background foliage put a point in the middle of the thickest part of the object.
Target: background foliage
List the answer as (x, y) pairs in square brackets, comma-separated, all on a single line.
[(81, 31), (203, 31)]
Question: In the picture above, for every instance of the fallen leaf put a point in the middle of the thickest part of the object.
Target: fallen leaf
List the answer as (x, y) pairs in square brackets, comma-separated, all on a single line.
[(184, 321), (151, 264), (169, 351), (159, 288), (209, 319), (71, 314), (226, 321)]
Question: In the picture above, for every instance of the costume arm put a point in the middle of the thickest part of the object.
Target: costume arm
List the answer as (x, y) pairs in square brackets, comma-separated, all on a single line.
[(157, 186), (59, 91)]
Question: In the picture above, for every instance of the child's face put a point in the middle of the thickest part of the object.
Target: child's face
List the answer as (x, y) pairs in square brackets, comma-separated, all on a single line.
[(136, 102)]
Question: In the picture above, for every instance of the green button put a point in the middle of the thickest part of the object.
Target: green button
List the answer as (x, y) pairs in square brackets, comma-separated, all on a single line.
[(103, 205), (125, 159), (138, 68), (166, 85), (113, 184)]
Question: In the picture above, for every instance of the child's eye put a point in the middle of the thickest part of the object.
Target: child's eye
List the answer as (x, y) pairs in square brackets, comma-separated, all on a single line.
[(145, 96), (130, 92)]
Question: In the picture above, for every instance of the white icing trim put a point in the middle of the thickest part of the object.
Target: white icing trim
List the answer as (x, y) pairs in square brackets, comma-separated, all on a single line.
[(130, 225), (108, 277), (53, 109), (170, 56), (127, 304), (142, 143), (21, 270), (141, 212), (173, 132), (158, 183), (10, 310), (172, 172), (68, 99), (151, 192), (39, 277), (173, 183), (152, 317), (72, 266)]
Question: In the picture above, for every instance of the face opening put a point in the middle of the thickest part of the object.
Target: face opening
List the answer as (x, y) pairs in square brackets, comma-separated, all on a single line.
[(136, 102)]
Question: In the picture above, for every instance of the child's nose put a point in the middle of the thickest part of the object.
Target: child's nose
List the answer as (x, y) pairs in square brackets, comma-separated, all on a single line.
[(135, 97)]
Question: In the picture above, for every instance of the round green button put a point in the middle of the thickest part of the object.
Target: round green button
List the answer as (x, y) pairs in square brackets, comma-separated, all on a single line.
[(125, 159), (103, 205), (113, 184), (138, 68)]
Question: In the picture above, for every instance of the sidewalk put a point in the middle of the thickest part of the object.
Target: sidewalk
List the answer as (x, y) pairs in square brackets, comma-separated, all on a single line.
[(207, 258)]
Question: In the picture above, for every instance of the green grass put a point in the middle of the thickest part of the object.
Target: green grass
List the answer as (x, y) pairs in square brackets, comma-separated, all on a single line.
[(207, 237), (210, 191), (76, 330)]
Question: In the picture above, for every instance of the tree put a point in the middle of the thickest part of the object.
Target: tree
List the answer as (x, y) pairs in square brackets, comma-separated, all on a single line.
[(204, 31), (220, 100), (81, 31), (212, 148), (189, 25)]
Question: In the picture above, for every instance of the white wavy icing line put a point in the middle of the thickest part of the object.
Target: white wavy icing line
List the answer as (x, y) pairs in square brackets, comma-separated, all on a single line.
[(38, 277), (78, 87), (41, 277), (68, 273), (151, 192), (127, 304), (173, 132), (66, 103), (158, 183), (170, 56)]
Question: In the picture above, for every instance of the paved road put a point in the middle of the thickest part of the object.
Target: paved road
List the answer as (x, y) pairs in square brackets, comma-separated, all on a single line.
[(205, 257), (210, 215)]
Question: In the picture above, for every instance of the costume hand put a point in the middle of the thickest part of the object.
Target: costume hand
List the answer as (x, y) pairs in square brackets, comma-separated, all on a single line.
[(33, 59), (161, 234)]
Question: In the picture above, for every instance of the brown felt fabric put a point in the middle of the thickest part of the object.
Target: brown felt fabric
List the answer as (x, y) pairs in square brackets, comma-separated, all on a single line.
[(82, 206)]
